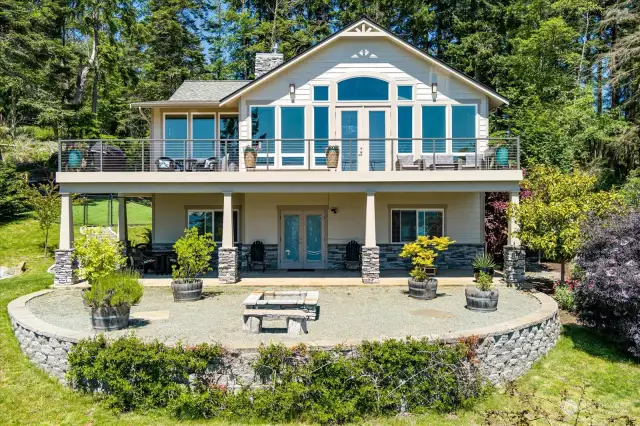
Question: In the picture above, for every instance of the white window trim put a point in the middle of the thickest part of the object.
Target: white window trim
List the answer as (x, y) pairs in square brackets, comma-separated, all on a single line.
[(313, 154), (216, 152), (281, 155), (214, 211), (276, 129), (416, 210), (313, 89), (164, 130)]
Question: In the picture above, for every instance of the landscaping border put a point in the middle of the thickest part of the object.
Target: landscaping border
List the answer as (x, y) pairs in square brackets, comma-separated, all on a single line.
[(504, 351)]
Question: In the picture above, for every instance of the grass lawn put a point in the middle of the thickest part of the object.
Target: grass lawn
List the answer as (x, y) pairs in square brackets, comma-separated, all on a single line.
[(29, 396), (98, 213)]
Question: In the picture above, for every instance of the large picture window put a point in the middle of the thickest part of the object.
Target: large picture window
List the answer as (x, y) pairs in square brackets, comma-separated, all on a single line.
[(463, 125), (363, 89), (263, 133), (211, 221), (408, 224), (203, 128), (292, 131), (434, 128), (175, 127)]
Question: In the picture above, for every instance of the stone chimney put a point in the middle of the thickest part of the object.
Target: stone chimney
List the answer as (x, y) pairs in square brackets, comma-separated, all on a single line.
[(265, 62)]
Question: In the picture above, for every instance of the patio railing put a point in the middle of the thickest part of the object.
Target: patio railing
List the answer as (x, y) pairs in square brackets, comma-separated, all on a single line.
[(233, 155)]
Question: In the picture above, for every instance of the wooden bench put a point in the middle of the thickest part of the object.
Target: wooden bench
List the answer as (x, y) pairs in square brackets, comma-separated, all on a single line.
[(296, 319)]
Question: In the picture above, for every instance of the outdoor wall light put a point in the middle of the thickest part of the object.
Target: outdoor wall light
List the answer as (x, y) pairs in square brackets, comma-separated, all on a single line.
[(292, 91), (434, 88), (334, 210)]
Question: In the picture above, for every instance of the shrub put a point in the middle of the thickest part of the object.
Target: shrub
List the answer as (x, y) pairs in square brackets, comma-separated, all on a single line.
[(563, 294), (116, 289), (483, 261), (194, 255), (423, 253), (344, 384), (485, 283), (608, 299), (98, 257)]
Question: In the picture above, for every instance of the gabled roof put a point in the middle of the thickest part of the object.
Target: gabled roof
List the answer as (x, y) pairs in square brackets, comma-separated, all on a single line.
[(207, 90), (365, 26)]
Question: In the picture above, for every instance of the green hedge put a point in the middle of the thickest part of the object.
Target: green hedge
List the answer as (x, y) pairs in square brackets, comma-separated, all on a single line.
[(327, 386)]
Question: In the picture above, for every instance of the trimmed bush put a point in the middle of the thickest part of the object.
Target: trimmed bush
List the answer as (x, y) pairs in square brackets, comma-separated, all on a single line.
[(98, 257), (344, 384), (608, 299)]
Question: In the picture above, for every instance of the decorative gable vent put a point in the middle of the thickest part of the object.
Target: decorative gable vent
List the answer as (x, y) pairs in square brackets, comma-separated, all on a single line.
[(364, 53), (364, 28)]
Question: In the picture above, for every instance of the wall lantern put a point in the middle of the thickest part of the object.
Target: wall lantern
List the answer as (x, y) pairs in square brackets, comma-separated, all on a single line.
[(434, 88), (292, 89)]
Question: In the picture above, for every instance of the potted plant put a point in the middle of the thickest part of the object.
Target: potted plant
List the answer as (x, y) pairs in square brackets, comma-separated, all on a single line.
[(333, 156), (483, 263), (423, 253), (111, 297), (250, 157), (193, 254), (483, 298)]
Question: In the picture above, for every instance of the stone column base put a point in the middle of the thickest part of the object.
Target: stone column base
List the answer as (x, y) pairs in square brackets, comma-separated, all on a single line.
[(228, 265), (514, 265), (370, 265), (64, 267)]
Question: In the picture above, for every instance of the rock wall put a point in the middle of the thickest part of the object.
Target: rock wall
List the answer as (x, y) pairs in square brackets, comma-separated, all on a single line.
[(505, 351)]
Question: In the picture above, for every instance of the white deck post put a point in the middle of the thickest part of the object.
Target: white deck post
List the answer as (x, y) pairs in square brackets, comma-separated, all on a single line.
[(122, 220), (514, 199), (370, 250), (64, 263), (228, 253)]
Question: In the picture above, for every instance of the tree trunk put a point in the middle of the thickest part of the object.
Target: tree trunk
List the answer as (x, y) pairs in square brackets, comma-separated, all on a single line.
[(83, 73), (96, 71), (46, 241), (562, 271)]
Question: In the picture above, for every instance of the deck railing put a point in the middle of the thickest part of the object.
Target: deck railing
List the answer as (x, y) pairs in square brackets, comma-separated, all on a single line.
[(233, 155)]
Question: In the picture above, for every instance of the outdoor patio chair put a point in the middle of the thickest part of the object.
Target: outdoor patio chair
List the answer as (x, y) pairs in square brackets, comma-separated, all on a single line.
[(256, 256), (142, 262), (352, 257), (406, 162), (165, 164)]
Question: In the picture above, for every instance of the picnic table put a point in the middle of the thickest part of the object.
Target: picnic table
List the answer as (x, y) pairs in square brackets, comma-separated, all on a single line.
[(296, 307)]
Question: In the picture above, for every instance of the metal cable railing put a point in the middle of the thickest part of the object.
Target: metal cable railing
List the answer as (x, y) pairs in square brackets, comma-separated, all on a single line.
[(233, 155)]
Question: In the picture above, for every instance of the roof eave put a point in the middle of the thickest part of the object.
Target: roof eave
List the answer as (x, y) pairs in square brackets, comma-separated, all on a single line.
[(158, 104)]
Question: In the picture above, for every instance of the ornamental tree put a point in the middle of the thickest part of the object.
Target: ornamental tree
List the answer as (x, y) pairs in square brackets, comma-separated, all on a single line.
[(98, 257), (44, 200), (194, 255), (608, 297), (423, 253), (550, 219)]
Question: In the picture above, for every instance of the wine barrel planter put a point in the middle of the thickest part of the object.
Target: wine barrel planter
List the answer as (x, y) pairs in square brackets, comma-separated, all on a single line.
[(250, 156), (425, 290), (110, 318), (186, 291), (333, 157), (482, 301)]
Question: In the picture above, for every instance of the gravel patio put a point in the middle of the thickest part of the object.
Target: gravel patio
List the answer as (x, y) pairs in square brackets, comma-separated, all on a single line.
[(347, 313)]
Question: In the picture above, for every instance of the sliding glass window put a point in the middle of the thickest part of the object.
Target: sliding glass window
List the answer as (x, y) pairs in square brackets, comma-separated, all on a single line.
[(405, 129), (263, 133), (320, 134), (434, 129), (229, 141), (204, 135), (175, 127), (463, 125), (292, 149)]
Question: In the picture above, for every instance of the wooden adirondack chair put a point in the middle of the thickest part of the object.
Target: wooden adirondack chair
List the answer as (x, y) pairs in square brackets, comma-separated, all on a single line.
[(352, 257), (256, 256)]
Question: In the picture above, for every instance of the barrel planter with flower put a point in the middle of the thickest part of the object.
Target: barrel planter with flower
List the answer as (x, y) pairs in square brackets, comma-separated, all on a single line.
[(333, 156), (110, 299), (423, 253), (250, 157), (193, 252)]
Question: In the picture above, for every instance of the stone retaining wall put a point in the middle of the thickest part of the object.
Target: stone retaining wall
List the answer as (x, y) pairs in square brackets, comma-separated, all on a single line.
[(505, 351)]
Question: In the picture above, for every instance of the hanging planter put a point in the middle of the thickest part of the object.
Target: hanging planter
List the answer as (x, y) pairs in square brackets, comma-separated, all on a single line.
[(333, 156), (250, 157)]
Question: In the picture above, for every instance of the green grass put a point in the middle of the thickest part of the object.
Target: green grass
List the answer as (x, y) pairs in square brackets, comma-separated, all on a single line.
[(98, 213), (29, 396)]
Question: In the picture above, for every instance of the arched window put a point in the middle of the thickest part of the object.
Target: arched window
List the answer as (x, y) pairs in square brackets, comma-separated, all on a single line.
[(363, 89)]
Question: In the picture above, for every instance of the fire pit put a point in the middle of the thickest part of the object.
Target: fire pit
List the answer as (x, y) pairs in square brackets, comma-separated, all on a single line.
[(296, 307)]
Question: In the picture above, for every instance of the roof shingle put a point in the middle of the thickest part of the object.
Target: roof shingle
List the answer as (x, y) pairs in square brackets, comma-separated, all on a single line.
[(206, 90)]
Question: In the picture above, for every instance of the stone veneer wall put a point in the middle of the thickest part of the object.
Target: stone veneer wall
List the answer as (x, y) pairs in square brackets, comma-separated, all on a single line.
[(505, 351), (63, 268)]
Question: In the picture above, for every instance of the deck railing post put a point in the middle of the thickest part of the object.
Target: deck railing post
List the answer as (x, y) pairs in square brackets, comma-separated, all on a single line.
[(184, 156), (101, 153), (267, 154), (433, 165), (59, 155), (477, 153), (518, 151), (142, 155)]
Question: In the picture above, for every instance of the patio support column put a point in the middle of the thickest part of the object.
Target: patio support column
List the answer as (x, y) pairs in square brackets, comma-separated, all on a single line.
[(123, 234), (63, 269), (227, 253), (370, 250), (514, 254)]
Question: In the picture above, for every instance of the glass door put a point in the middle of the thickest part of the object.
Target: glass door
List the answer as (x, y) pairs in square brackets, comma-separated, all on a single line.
[(348, 128), (377, 150), (302, 240)]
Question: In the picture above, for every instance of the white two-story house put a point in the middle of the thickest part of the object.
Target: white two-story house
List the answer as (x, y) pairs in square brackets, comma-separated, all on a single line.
[(363, 138)]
